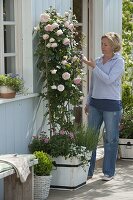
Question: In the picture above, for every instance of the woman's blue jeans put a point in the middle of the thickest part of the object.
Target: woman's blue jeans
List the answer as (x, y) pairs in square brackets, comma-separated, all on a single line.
[(111, 136)]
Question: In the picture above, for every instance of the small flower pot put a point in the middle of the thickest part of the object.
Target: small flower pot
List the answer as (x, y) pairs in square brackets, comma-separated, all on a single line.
[(6, 92)]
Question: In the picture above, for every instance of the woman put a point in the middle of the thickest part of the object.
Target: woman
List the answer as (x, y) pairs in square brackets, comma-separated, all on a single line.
[(104, 100)]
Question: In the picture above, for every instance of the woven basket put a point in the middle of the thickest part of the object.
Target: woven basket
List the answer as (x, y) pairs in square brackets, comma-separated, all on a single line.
[(41, 187)]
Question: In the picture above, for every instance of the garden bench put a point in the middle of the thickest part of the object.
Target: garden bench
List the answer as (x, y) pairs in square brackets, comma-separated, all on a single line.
[(14, 188)]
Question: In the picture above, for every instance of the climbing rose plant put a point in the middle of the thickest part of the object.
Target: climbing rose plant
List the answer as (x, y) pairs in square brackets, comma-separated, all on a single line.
[(59, 60)]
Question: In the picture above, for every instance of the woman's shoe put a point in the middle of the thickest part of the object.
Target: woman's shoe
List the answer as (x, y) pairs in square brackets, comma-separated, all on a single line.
[(107, 177), (89, 177)]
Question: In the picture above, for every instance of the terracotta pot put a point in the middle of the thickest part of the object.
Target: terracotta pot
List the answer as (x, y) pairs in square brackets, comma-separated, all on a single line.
[(6, 92)]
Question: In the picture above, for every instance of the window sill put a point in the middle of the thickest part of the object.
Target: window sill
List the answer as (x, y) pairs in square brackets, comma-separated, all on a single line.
[(18, 97)]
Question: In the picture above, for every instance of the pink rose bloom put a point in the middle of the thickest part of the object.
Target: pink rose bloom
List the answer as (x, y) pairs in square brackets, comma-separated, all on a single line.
[(66, 24), (66, 41), (48, 27), (54, 44), (45, 36), (64, 62), (71, 26), (44, 17), (66, 76), (77, 80), (46, 140), (60, 87), (62, 132), (59, 32), (71, 135), (55, 25)]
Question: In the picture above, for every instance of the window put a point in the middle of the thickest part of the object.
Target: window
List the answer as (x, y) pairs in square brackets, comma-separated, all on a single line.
[(16, 40), (8, 35)]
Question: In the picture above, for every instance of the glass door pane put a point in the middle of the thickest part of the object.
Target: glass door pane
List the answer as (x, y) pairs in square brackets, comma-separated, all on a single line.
[(8, 10), (9, 63), (77, 9), (9, 39)]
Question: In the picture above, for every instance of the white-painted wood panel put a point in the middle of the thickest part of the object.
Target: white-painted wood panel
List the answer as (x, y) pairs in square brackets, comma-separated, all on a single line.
[(112, 16), (106, 17), (16, 125)]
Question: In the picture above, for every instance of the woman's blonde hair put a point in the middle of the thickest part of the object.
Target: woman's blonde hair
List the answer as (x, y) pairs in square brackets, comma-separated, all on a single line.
[(114, 40)]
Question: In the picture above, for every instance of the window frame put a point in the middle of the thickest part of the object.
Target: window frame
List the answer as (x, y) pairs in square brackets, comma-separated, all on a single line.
[(23, 41)]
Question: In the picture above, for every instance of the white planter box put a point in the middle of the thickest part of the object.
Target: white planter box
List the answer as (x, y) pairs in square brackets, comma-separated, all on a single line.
[(69, 173), (126, 148)]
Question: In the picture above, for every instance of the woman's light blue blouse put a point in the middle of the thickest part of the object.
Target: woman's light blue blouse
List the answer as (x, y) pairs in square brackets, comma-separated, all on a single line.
[(106, 79)]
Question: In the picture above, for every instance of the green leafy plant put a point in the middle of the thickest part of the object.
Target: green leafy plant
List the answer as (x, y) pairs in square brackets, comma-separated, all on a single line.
[(68, 144), (126, 128), (45, 164), (126, 125), (127, 40), (12, 81), (59, 60)]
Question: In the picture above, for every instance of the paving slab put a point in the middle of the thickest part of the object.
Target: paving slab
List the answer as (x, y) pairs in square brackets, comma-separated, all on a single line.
[(119, 188)]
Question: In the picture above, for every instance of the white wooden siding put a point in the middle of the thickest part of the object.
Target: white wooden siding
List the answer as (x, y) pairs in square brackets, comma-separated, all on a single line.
[(112, 16), (16, 125), (106, 17)]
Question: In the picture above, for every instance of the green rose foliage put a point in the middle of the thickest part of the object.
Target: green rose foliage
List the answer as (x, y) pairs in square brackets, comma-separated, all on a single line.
[(59, 60)]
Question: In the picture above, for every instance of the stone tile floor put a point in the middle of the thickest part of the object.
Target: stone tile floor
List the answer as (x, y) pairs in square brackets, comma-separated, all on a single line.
[(120, 188)]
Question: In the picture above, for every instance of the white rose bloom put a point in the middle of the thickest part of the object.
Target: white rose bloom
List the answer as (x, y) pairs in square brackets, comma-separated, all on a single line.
[(72, 118), (45, 36), (84, 58), (59, 32), (53, 87), (37, 28), (74, 58), (53, 71), (53, 45), (48, 45), (81, 98), (60, 87), (65, 57), (51, 40), (66, 14)]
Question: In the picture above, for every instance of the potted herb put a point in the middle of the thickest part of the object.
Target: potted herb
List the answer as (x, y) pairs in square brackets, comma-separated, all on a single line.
[(10, 84), (42, 176), (69, 149)]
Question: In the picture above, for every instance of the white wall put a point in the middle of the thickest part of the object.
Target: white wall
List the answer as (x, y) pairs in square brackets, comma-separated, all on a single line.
[(106, 17)]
